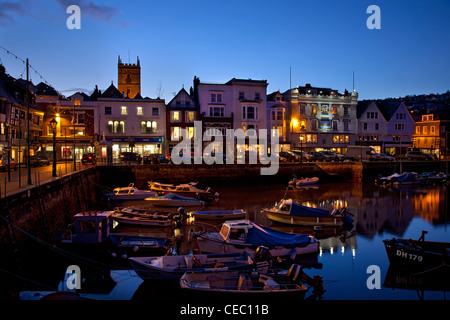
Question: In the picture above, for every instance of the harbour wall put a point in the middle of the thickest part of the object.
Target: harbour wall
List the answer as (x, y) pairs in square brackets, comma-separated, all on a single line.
[(44, 211)]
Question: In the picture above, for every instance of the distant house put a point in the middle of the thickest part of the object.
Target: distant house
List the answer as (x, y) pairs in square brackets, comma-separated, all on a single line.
[(400, 128), (13, 117), (387, 127), (181, 113), (276, 118), (431, 134)]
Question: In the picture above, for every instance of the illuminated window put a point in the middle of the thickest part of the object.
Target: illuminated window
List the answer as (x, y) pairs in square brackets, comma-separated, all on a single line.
[(417, 129), (190, 116), (139, 111), (175, 115), (123, 110), (314, 108)]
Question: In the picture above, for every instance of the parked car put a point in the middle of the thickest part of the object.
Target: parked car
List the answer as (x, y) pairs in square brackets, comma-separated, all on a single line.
[(130, 156), (305, 156), (41, 161), (418, 155), (361, 153), (318, 156), (5, 162), (332, 156), (88, 158), (155, 158), (289, 156), (386, 157)]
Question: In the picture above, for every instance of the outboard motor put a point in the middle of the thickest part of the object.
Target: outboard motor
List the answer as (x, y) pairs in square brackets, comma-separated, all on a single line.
[(262, 253)]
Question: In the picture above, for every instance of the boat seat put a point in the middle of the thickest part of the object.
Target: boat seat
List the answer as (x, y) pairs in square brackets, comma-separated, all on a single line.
[(269, 283)]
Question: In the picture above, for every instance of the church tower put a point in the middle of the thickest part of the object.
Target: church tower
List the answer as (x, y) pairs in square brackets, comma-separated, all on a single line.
[(129, 78)]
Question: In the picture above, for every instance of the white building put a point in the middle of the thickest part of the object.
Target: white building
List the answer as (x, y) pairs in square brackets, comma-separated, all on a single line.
[(238, 103), (132, 125)]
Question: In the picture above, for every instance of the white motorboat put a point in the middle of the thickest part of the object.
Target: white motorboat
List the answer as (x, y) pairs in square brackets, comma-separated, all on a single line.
[(142, 219), (129, 193), (186, 189), (174, 200), (173, 267), (245, 235)]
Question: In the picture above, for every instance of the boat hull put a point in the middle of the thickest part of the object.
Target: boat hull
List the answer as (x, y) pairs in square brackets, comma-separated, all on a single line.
[(143, 222), (219, 215), (174, 203), (303, 221), (214, 245), (417, 254)]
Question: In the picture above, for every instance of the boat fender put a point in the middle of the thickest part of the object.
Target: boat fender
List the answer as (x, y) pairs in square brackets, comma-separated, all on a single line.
[(113, 254), (124, 256), (135, 248), (194, 258)]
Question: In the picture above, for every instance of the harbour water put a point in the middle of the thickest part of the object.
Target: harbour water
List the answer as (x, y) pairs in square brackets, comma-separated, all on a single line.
[(345, 254)]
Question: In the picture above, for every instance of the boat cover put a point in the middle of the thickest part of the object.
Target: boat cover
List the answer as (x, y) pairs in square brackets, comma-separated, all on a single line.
[(263, 236), (405, 177), (174, 196), (303, 211)]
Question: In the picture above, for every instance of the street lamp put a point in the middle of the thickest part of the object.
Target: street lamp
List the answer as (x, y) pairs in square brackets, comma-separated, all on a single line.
[(53, 124)]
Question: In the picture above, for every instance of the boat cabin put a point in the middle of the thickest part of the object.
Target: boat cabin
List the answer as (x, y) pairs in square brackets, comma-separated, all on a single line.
[(284, 205), (92, 226), (235, 230)]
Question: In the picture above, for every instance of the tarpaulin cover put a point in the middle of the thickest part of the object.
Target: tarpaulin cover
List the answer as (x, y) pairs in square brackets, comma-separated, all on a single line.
[(175, 197), (263, 236), (302, 211)]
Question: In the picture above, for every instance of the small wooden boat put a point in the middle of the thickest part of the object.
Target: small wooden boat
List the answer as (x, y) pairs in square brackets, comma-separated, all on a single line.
[(290, 212), (417, 253), (246, 235), (218, 215), (129, 193), (245, 284), (173, 267), (186, 189), (142, 219), (174, 200), (303, 182)]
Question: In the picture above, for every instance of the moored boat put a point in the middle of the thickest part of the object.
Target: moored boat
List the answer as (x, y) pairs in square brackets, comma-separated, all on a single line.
[(129, 193), (174, 200), (252, 284), (303, 182), (185, 189), (290, 212), (417, 253), (173, 267), (141, 219), (246, 235), (94, 238), (218, 215)]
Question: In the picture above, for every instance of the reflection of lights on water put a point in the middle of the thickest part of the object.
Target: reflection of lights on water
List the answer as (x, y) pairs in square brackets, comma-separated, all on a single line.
[(320, 251), (353, 252), (176, 232), (331, 250), (342, 250)]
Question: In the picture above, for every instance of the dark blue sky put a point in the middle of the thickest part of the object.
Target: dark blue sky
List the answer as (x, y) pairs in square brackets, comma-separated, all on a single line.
[(322, 41)]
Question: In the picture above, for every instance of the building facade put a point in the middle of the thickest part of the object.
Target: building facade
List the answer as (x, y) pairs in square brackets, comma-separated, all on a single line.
[(320, 118), (431, 135), (132, 125), (181, 112)]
